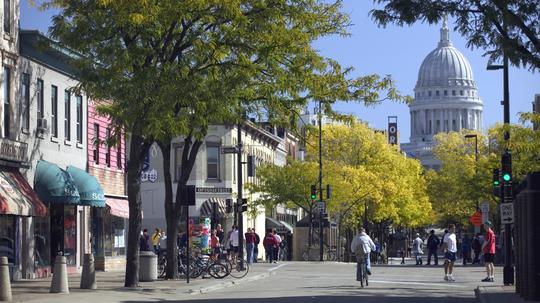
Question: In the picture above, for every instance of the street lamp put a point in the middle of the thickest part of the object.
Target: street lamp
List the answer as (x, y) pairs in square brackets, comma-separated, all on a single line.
[(506, 197), (475, 136)]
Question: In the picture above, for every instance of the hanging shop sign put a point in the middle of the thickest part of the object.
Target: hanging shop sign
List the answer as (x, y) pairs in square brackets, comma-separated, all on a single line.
[(13, 150)]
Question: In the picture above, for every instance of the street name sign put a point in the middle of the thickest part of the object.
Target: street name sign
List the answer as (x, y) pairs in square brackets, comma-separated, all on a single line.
[(484, 208), (321, 206), (507, 213), (229, 150)]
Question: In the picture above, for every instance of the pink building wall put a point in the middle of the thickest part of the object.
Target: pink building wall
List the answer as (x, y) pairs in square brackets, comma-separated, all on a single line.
[(110, 174)]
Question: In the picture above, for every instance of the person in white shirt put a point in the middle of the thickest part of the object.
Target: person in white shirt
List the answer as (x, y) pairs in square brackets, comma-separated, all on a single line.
[(233, 240), (417, 249), (450, 250), (361, 246)]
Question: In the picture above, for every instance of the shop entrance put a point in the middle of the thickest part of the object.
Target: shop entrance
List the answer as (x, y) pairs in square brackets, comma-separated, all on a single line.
[(64, 232)]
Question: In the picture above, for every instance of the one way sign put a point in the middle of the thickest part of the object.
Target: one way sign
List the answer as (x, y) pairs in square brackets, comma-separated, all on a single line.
[(507, 213)]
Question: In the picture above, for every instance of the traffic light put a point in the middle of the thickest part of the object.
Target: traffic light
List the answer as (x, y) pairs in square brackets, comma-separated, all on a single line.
[(313, 192), (242, 207), (506, 167), (229, 204), (496, 177), (328, 191), (250, 166)]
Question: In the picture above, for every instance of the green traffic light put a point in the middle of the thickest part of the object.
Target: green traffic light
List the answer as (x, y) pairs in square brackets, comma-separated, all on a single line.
[(313, 197), (496, 183), (506, 177)]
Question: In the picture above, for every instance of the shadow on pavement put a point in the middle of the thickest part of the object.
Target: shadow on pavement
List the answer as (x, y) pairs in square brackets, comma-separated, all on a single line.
[(328, 299)]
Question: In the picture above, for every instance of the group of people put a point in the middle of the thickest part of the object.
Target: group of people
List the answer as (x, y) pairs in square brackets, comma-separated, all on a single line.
[(274, 245), (221, 243)]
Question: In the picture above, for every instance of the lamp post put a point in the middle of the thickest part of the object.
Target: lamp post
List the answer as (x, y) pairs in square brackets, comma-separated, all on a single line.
[(321, 226), (506, 195), (475, 136)]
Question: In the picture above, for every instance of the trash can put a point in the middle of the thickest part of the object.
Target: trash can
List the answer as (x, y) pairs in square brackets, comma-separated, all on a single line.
[(147, 266)]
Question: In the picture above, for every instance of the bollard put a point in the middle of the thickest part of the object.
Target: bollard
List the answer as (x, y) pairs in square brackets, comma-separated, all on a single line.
[(59, 282), (5, 284), (88, 278)]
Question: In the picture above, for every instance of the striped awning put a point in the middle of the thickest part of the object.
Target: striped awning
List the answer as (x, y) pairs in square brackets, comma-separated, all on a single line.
[(208, 206)]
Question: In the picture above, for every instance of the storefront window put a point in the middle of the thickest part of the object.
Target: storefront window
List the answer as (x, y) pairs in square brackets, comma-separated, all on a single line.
[(7, 237), (70, 235), (119, 231), (41, 241)]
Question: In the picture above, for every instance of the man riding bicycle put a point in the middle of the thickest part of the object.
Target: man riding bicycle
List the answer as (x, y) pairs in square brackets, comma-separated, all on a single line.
[(361, 246)]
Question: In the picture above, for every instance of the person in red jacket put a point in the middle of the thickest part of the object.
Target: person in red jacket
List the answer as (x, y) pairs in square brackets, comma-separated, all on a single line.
[(270, 243), (215, 245), (489, 251)]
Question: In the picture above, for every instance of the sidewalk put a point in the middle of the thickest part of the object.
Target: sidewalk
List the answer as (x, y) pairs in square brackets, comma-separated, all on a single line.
[(111, 287), (499, 294)]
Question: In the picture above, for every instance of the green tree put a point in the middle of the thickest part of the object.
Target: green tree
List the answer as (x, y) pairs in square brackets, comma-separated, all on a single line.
[(493, 25), (171, 70)]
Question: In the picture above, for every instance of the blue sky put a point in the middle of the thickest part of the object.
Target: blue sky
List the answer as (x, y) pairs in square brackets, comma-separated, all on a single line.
[(395, 51)]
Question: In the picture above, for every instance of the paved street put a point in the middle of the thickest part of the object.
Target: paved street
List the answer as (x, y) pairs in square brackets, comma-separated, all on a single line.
[(306, 282), (327, 283)]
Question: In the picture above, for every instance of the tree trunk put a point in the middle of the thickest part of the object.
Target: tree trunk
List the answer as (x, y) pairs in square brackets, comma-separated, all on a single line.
[(172, 224), (138, 148)]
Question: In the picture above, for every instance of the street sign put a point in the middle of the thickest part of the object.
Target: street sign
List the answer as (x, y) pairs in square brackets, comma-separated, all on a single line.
[(476, 219), (507, 213), (321, 206), (229, 150), (484, 208)]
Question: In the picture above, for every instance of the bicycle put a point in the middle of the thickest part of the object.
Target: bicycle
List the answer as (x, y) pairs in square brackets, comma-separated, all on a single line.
[(238, 269), (206, 265), (363, 270)]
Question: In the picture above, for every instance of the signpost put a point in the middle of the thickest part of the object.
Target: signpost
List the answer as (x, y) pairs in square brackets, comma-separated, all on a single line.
[(476, 219), (229, 150), (392, 130), (507, 213), (321, 206)]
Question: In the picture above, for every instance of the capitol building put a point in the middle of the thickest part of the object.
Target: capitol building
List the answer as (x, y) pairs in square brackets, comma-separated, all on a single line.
[(445, 99)]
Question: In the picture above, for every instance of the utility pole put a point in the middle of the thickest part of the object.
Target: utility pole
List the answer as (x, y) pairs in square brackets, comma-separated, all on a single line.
[(321, 226), (238, 208)]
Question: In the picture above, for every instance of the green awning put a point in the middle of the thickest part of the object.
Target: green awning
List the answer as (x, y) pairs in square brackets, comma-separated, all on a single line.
[(89, 189), (55, 185)]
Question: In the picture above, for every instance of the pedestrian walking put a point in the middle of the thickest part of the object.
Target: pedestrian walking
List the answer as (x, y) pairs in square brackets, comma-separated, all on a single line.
[(466, 249), (432, 246), (233, 240), (250, 245), (277, 248), (156, 237), (269, 243), (220, 233), (450, 250), (489, 251), (256, 248), (215, 245), (477, 248), (417, 249), (144, 241)]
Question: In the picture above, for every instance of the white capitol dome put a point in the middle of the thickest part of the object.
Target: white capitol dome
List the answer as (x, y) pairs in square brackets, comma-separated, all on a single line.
[(445, 99)]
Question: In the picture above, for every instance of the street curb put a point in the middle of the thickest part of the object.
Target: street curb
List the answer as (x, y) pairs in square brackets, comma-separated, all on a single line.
[(478, 295), (228, 284)]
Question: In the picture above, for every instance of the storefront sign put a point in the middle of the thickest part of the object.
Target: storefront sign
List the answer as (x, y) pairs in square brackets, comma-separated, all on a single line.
[(150, 175), (13, 151), (392, 133), (214, 190)]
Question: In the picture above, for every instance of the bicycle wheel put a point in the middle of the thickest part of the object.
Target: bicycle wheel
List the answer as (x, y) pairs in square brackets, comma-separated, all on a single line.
[(240, 269), (162, 267), (218, 270), (366, 275)]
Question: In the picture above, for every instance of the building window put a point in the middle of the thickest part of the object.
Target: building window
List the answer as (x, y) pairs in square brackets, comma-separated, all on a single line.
[(438, 126), (177, 163), (429, 127), (437, 93), (25, 91), (108, 154), (40, 102), (7, 97), (119, 153), (429, 93), (95, 153), (454, 125), (446, 93), (67, 115), (212, 162), (453, 92), (461, 93), (8, 240), (7, 16), (79, 119), (54, 111)]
